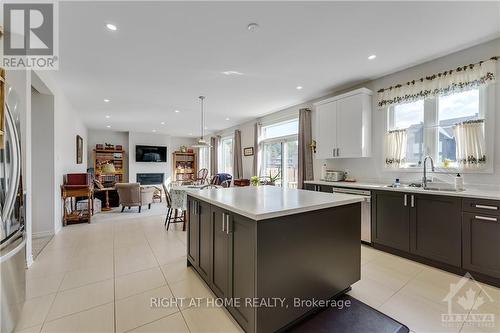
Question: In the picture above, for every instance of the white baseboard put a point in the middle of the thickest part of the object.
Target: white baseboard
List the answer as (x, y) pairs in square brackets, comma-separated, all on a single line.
[(42, 234)]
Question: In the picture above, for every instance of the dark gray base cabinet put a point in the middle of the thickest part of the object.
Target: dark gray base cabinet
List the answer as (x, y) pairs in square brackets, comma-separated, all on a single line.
[(481, 237), (318, 188), (424, 225), (309, 255), (451, 233)]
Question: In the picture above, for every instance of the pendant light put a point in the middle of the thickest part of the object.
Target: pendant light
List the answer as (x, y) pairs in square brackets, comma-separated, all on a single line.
[(201, 141)]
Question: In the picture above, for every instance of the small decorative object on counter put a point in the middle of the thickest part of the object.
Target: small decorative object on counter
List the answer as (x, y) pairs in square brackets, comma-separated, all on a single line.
[(255, 180), (183, 149), (397, 183), (459, 182), (446, 163), (323, 171)]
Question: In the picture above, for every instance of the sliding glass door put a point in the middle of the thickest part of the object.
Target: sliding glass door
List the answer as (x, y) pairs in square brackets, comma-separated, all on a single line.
[(280, 159)]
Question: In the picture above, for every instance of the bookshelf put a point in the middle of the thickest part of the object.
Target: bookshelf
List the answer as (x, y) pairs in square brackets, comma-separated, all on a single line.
[(184, 166), (113, 156)]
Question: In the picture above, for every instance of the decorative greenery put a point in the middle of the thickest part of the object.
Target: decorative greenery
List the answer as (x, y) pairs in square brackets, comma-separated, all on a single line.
[(255, 180)]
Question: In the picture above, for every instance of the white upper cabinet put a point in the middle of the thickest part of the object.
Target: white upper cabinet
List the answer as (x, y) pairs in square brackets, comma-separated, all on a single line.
[(343, 125)]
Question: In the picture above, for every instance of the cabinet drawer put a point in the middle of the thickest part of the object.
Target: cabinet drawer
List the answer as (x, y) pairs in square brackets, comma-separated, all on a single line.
[(490, 207), (481, 243)]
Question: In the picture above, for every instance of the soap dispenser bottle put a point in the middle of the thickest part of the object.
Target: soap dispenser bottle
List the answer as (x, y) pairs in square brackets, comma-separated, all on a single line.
[(459, 182)]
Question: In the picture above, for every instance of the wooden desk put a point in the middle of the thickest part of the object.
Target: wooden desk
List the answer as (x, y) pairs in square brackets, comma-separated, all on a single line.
[(70, 192)]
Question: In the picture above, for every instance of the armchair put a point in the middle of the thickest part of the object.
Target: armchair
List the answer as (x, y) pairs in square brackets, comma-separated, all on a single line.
[(131, 194)]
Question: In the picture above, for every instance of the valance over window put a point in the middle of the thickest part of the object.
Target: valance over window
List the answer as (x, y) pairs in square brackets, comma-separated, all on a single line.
[(445, 83)]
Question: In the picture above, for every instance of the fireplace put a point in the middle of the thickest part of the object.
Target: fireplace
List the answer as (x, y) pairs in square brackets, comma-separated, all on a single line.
[(150, 178)]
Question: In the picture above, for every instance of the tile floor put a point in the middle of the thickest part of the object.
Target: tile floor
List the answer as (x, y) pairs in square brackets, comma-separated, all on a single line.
[(100, 277)]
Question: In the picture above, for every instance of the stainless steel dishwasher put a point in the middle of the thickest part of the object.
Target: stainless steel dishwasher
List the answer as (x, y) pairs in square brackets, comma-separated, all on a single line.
[(366, 211)]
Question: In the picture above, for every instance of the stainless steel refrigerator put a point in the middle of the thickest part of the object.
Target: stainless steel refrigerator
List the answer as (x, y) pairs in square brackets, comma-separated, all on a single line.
[(12, 233)]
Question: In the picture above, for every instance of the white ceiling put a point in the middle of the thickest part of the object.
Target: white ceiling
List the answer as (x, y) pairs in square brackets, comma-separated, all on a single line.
[(165, 54)]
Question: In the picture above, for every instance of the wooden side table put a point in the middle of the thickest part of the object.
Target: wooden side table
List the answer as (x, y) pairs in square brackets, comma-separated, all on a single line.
[(106, 207), (74, 191)]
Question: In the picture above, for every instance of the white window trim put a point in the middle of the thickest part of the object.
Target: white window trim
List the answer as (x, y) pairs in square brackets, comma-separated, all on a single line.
[(219, 148), (486, 109)]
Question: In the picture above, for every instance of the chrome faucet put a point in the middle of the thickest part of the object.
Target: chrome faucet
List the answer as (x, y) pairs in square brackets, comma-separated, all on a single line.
[(424, 178)]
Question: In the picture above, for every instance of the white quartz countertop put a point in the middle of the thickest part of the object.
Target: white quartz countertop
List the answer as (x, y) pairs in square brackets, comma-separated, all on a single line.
[(265, 202), (471, 191)]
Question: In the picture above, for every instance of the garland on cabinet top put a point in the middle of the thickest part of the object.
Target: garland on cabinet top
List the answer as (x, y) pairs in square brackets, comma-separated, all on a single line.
[(448, 82)]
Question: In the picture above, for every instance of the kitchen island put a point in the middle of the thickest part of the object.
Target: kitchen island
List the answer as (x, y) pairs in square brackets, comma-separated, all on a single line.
[(271, 252)]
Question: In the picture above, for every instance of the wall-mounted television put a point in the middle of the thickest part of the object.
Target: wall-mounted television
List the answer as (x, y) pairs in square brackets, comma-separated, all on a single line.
[(150, 153)]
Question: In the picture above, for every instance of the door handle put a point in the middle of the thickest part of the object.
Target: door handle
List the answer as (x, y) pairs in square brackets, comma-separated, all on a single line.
[(406, 200), (484, 218), (223, 220), (412, 201)]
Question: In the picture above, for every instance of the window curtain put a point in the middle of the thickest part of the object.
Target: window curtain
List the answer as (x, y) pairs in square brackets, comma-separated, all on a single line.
[(470, 143), (257, 148), (305, 171), (214, 154), (440, 84), (237, 158), (395, 148)]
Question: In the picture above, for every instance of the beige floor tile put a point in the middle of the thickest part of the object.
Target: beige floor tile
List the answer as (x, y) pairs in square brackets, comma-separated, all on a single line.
[(133, 259), (41, 286), (138, 282), (96, 320), (33, 329), (81, 298), (84, 276), (173, 323), (135, 311), (435, 284), (208, 319), (418, 313), (485, 316), (401, 265), (389, 277), (178, 270), (192, 287), (371, 292), (35, 311)]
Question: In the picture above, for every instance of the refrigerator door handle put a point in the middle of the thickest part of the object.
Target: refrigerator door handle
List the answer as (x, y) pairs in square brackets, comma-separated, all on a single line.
[(10, 197)]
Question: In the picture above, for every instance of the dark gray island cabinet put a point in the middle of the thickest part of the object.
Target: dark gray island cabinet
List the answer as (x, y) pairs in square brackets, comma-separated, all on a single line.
[(269, 251)]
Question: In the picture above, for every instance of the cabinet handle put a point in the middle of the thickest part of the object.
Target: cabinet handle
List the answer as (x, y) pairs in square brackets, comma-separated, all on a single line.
[(412, 201), (406, 200), (223, 221), (484, 218), (227, 225), (338, 152), (486, 207)]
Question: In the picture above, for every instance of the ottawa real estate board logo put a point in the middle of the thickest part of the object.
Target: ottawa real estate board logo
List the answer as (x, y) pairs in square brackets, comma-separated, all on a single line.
[(29, 36)]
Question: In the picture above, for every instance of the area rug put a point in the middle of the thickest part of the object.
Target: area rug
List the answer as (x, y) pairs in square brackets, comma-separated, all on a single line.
[(358, 318)]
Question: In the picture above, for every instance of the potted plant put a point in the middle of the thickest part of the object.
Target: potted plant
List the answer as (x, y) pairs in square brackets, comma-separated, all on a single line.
[(255, 180), (271, 180)]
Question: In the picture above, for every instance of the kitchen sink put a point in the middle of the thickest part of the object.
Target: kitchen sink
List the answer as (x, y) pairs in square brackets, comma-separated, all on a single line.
[(434, 186)]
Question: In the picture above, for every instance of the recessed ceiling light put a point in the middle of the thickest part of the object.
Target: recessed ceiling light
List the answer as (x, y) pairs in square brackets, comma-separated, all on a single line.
[(109, 126), (227, 118), (298, 87), (373, 56), (176, 111), (153, 130), (106, 100), (253, 26), (232, 73), (111, 27), (108, 116), (163, 123)]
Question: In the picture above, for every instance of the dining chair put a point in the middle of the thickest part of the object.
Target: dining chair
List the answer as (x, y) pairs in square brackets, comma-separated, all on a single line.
[(175, 219), (201, 178)]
